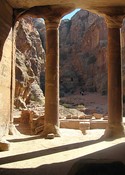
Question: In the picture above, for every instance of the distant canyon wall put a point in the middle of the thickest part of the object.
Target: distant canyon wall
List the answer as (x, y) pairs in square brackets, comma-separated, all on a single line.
[(30, 62), (83, 53), (83, 49)]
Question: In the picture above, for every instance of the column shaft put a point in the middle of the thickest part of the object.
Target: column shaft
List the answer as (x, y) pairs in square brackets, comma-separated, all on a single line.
[(114, 77), (52, 16), (115, 127), (52, 79)]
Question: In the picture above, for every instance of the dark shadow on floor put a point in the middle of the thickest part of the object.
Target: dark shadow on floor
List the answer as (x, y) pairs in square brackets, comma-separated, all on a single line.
[(25, 139), (45, 152), (114, 153), (97, 167)]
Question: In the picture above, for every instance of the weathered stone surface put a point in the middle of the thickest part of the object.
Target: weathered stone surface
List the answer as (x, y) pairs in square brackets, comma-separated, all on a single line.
[(88, 116), (83, 47), (50, 136), (94, 124), (69, 116), (83, 53), (33, 119), (5, 65), (105, 117), (83, 126), (50, 128), (36, 122), (97, 116), (25, 116), (83, 50), (94, 5), (70, 124), (30, 58), (82, 117), (4, 145), (75, 117)]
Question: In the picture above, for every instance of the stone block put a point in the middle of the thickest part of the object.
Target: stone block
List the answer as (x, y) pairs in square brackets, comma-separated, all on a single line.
[(88, 116), (105, 117), (96, 124), (4, 145), (82, 117), (50, 136), (69, 116), (97, 115), (74, 117), (70, 124), (84, 125)]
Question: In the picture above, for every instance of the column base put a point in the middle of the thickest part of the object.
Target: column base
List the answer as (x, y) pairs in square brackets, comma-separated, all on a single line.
[(13, 130), (4, 145), (114, 131), (50, 129)]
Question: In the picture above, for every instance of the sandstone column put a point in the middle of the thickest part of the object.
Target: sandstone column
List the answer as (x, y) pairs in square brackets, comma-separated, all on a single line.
[(52, 20), (52, 15), (52, 76), (115, 126)]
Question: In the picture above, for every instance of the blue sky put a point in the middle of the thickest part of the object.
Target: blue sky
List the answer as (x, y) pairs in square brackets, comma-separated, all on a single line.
[(70, 14)]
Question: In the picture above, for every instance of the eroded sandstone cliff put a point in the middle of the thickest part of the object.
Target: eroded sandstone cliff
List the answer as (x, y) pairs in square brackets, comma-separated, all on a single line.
[(30, 61), (83, 49), (83, 41), (83, 65), (83, 53)]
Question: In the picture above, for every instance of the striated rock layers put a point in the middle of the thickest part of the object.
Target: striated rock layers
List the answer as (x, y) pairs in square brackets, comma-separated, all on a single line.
[(83, 47), (83, 61), (30, 58), (83, 54), (83, 50)]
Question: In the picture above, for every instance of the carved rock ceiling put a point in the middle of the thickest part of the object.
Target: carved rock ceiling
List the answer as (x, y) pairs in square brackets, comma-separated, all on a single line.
[(92, 5)]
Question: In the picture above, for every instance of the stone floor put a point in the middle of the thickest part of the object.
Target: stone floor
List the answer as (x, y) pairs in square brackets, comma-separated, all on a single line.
[(34, 155)]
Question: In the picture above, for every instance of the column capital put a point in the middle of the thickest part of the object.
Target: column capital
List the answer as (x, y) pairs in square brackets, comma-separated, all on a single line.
[(54, 14), (52, 23), (114, 21)]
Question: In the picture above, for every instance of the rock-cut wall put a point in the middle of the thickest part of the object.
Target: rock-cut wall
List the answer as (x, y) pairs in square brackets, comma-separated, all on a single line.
[(5, 64), (83, 53), (30, 62), (83, 47)]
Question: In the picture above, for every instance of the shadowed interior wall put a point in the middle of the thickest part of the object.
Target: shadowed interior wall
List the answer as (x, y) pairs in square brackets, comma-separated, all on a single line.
[(5, 64)]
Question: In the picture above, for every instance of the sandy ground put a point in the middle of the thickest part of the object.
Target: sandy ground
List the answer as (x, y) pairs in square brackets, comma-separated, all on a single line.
[(92, 101), (34, 155)]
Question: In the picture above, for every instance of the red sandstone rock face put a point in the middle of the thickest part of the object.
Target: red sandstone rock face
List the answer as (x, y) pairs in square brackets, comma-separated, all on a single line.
[(30, 57), (83, 50), (83, 47), (83, 53)]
